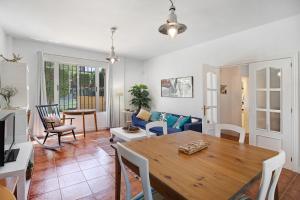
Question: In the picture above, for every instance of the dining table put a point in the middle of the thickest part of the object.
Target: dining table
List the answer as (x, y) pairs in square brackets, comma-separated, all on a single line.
[(223, 170)]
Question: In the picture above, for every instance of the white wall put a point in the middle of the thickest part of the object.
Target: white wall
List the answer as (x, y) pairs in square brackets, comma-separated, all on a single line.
[(28, 50), (274, 40), (3, 47)]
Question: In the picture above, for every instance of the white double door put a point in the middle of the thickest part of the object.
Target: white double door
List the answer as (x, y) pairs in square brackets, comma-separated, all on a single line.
[(270, 105)]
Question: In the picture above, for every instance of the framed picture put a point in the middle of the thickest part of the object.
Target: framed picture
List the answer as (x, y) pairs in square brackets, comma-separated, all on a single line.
[(177, 87)]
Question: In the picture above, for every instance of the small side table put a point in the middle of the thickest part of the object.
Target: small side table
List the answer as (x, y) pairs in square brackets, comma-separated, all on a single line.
[(82, 112)]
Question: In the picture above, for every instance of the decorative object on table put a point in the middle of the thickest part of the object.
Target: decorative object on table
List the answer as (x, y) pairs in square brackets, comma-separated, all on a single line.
[(29, 170), (112, 58), (131, 129), (172, 27), (144, 115), (7, 92), (16, 58), (140, 96), (223, 89), (119, 94), (193, 147), (177, 87)]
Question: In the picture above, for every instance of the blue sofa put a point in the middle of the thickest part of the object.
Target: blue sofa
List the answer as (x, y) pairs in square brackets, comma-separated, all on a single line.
[(195, 126)]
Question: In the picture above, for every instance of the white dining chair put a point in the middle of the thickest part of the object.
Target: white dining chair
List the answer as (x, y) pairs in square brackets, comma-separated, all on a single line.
[(162, 124), (270, 175), (231, 127), (143, 165)]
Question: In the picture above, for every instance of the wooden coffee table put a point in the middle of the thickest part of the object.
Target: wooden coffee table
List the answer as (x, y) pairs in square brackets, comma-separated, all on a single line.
[(82, 112), (126, 136)]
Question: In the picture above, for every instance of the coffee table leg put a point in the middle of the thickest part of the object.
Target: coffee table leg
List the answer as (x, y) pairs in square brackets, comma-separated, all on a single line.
[(83, 124), (95, 119), (117, 177)]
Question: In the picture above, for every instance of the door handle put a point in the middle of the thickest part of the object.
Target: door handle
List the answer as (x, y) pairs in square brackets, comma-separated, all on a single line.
[(205, 108)]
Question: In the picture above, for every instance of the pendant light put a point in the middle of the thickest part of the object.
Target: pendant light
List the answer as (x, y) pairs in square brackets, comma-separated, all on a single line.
[(172, 27), (112, 58)]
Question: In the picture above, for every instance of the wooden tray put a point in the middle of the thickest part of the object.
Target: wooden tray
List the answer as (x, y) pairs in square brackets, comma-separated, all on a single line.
[(193, 147)]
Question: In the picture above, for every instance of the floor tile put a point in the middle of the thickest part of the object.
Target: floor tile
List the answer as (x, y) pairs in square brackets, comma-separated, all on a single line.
[(94, 172), (76, 191), (84, 157), (67, 169), (101, 184), (54, 195), (40, 187), (88, 164), (71, 179), (44, 174)]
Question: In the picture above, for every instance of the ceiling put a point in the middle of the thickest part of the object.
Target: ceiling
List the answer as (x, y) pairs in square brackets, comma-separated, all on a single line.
[(86, 24)]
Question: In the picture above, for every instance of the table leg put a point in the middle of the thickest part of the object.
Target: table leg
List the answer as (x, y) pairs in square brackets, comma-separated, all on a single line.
[(117, 177), (21, 187), (83, 124), (95, 119)]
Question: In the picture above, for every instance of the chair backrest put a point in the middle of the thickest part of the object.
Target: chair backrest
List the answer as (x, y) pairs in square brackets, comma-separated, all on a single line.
[(47, 110), (231, 127), (270, 175), (6, 194), (162, 124), (141, 163)]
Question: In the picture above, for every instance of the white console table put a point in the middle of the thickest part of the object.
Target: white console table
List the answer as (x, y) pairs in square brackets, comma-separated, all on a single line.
[(18, 168)]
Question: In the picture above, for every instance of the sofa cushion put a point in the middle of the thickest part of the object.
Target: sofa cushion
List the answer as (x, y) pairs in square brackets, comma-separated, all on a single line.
[(140, 123), (155, 116), (159, 130), (182, 122), (171, 120), (144, 115)]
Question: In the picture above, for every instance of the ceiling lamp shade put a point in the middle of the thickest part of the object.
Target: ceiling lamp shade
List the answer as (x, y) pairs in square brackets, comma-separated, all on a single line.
[(172, 27), (112, 58)]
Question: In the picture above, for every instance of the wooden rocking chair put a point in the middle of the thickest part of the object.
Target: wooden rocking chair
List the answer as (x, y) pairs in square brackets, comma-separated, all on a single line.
[(52, 122)]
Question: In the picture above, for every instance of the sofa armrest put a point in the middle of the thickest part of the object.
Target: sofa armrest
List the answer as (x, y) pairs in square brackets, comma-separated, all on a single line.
[(194, 126)]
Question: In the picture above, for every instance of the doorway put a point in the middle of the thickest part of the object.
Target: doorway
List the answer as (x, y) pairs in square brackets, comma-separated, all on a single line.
[(234, 98)]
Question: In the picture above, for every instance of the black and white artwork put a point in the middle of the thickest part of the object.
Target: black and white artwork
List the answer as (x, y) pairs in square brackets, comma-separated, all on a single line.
[(177, 87)]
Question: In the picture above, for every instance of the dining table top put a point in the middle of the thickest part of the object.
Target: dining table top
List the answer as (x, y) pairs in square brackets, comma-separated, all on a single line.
[(221, 171)]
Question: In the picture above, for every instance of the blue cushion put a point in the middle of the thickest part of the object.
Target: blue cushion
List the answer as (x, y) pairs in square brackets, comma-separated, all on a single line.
[(155, 116), (138, 122), (171, 120), (183, 121)]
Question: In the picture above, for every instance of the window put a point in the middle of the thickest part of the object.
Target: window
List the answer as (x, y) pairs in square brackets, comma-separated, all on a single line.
[(75, 86)]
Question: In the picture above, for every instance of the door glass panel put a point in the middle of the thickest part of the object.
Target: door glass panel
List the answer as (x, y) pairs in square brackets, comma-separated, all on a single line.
[(261, 99), (214, 112), (49, 78), (87, 87), (209, 116), (275, 121), (214, 81), (261, 78), (67, 87), (214, 94), (208, 80), (275, 77), (261, 119), (275, 100), (102, 105), (209, 98)]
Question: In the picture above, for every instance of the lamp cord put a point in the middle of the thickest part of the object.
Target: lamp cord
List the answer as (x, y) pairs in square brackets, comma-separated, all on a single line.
[(171, 2)]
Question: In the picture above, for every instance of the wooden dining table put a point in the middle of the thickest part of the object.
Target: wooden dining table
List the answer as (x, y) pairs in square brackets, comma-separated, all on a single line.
[(221, 171)]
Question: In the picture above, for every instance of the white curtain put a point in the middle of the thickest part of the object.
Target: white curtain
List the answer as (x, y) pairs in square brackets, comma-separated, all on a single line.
[(109, 105), (35, 125)]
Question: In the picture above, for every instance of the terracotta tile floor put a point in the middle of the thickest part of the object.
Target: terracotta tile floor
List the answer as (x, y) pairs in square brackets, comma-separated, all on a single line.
[(83, 170)]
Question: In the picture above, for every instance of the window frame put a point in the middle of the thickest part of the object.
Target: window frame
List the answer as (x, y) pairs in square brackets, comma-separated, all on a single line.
[(98, 65)]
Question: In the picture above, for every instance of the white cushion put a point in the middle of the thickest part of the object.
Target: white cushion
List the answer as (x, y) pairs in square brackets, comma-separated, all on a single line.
[(63, 128)]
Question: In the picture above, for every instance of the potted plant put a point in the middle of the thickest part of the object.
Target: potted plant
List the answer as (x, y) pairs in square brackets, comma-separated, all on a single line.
[(7, 92), (140, 96)]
